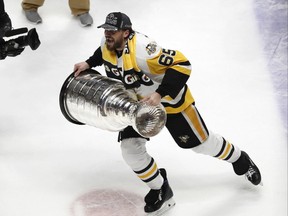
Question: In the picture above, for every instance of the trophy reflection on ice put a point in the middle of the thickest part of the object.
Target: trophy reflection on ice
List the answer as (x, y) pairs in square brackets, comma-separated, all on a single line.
[(104, 103)]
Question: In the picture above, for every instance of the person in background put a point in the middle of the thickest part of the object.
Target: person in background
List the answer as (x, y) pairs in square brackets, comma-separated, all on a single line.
[(79, 8), (159, 75)]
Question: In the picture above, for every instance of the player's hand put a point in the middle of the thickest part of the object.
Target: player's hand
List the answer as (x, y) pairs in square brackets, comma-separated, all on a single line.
[(153, 99), (79, 67)]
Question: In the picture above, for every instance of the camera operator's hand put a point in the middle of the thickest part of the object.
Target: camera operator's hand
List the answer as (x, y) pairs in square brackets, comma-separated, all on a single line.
[(10, 48), (13, 49), (2, 49), (5, 24)]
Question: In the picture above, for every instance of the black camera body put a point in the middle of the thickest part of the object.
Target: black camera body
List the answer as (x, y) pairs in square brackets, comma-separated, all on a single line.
[(15, 46)]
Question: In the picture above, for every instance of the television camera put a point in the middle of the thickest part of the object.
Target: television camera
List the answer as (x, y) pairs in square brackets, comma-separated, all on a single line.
[(15, 46)]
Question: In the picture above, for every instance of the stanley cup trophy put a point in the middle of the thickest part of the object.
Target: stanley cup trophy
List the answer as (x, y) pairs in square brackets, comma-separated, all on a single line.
[(104, 103)]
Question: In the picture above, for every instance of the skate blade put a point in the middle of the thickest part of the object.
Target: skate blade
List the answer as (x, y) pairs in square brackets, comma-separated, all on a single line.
[(165, 207), (260, 184)]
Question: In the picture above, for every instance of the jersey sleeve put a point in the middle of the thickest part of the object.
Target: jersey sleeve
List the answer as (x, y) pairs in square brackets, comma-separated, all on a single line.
[(96, 59), (172, 83), (168, 67)]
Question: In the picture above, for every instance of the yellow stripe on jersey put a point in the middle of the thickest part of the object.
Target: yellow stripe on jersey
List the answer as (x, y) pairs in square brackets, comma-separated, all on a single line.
[(154, 67), (131, 57), (182, 69), (187, 101), (109, 56), (190, 113), (161, 62)]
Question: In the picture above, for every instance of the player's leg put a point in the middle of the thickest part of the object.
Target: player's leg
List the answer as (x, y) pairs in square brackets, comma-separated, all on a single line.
[(30, 8), (189, 131), (144, 166), (81, 9), (32, 4)]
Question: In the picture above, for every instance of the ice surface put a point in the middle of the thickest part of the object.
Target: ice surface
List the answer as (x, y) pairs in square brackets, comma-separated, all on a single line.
[(48, 164)]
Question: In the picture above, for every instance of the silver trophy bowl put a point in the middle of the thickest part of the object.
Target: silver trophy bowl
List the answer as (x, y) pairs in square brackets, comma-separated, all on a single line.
[(103, 102)]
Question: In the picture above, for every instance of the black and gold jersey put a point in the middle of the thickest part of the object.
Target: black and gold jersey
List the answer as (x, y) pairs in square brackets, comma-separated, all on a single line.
[(146, 67)]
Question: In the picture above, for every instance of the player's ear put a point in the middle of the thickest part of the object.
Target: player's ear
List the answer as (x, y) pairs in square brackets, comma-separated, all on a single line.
[(126, 33)]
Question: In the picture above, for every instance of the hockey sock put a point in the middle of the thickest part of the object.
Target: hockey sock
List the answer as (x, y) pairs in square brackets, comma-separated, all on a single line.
[(216, 146), (135, 154)]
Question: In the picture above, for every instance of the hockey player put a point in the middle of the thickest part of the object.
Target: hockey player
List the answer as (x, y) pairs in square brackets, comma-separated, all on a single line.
[(159, 75)]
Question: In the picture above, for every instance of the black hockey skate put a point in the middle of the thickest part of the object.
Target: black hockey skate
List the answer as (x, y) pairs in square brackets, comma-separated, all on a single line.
[(159, 201), (244, 165)]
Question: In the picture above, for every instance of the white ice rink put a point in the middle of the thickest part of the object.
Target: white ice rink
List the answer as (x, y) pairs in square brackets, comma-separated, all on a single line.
[(51, 167)]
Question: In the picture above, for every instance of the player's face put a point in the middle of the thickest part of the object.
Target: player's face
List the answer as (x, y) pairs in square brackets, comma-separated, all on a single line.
[(115, 40)]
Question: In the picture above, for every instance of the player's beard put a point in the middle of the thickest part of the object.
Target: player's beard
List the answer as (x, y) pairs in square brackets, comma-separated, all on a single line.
[(113, 44)]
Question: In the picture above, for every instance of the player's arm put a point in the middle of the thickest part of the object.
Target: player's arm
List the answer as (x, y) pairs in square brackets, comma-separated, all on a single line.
[(96, 59), (176, 74), (92, 61), (174, 68)]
